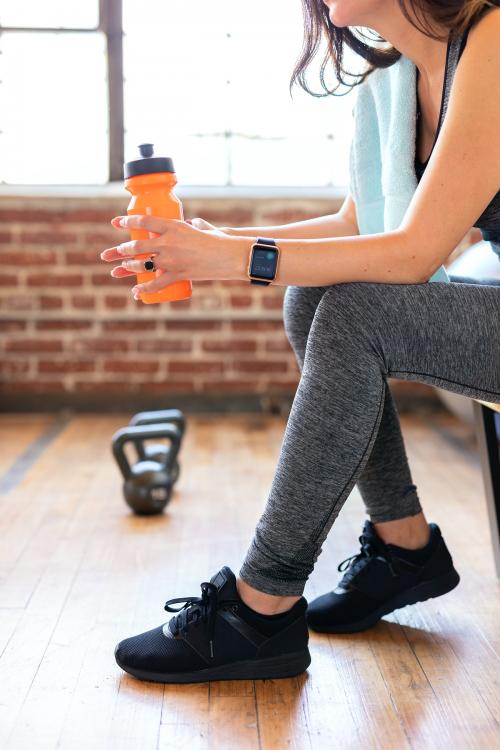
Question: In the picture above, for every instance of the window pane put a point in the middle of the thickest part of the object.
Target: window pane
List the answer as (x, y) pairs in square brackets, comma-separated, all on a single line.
[(175, 85), (50, 13), (53, 108), (198, 74)]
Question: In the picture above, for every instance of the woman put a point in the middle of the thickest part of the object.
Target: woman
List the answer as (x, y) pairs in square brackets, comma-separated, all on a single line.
[(358, 309)]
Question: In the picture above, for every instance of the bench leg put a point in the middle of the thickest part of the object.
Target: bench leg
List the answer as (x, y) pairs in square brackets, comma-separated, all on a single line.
[(490, 465)]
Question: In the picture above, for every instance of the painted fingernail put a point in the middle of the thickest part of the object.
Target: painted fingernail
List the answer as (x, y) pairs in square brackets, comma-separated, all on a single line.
[(123, 221)]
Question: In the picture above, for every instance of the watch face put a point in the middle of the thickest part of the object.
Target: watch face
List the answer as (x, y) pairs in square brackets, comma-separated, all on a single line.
[(264, 262)]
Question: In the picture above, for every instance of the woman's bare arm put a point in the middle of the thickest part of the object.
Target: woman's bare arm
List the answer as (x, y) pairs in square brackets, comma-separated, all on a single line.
[(341, 224)]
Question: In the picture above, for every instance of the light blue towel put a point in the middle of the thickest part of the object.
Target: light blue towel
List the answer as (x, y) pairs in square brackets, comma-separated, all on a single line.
[(382, 173)]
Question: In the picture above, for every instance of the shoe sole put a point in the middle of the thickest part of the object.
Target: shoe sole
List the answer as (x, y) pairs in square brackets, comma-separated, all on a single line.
[(420, 593), (275, 667)]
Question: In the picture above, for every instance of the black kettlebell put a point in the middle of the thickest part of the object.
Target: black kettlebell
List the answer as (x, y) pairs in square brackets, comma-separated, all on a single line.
[(148, 484), (159, 452)]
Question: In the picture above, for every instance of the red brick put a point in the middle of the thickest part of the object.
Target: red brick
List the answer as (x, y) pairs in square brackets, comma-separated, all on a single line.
[(34, 345), (181, 304), (79, 216), (106, 238), (18, 302), (87, 216), (27, 258), (272, 303), (203, 282), (49, 302), (131, 366), (278, 345), (8, 279), (160, 346), (83, 301), (12, 325), (65, 366), (99, 345), (124, 386), (14, 367), (102, 386), (104, 279), (115, 303), (63, 325), (83, 257), (240, 300), (49, 238), (54, 279), (129, 325), (259, 366), (193, 325), (255, 326), (241, 345), (193, 366), (33, 387), (23, 215), (286, 385), (5, 237), (228, 386)]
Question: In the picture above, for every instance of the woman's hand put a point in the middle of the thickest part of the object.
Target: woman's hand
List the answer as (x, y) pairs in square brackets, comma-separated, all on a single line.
[(180, 252)]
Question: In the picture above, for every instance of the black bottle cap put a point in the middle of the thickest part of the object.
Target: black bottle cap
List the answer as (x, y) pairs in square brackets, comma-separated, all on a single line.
[(148, 163)]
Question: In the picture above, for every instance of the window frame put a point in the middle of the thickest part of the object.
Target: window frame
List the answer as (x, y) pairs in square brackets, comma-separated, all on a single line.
[(111, 25)]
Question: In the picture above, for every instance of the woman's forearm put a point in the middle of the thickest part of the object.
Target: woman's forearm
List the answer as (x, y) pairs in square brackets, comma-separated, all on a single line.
[(333, 225), (388, 258)]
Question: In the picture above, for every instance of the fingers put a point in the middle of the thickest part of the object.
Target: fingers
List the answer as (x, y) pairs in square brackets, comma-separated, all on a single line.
[(163, 279), (131, 248), (118, 272), (155, 224), (137, 266)]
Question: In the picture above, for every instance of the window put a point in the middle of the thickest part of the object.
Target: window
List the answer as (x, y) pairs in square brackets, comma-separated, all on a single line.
[(207, 83)]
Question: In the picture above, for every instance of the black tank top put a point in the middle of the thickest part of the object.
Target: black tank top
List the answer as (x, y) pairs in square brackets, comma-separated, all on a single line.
[(489, 221)]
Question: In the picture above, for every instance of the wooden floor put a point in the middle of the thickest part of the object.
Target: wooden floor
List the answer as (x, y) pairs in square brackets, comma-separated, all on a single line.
[(78, 572)]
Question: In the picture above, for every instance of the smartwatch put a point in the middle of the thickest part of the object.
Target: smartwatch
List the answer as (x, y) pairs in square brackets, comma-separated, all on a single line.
[(263, 261)]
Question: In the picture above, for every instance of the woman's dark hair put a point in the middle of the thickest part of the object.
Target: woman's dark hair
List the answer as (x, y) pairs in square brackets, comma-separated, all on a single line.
[(456, 16)]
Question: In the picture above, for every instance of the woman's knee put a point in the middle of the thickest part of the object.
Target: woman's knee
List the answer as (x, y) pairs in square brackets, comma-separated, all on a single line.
[(347, 316), (299, 307)]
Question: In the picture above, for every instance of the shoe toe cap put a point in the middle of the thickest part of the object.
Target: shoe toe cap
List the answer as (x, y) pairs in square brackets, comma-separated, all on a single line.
[(339, 607), (322, 609), (139, 651)]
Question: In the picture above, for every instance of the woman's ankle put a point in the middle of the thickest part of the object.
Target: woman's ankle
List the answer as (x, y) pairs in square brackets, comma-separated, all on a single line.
[(265, 604), (411, 532)]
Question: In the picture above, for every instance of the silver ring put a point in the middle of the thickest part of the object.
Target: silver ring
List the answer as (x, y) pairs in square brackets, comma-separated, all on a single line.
[(149, 265)]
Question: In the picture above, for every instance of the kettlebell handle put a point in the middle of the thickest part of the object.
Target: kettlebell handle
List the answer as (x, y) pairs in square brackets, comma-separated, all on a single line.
[(174, 416), (137, 434)]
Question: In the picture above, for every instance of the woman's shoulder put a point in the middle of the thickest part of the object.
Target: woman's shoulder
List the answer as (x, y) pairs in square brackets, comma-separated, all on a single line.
[(481, 54), (487, 27)]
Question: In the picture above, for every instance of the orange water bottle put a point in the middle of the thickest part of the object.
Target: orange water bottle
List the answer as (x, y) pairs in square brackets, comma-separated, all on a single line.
[(151, 180)]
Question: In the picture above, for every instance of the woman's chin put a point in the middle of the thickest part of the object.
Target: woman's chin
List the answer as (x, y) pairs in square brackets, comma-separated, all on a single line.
[(340, 17)]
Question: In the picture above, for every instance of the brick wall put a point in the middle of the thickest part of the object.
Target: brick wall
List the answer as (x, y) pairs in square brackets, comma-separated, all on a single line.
[(71, 335)]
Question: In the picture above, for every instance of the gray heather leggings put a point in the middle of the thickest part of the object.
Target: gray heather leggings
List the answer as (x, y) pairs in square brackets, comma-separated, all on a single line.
[(343, 426)]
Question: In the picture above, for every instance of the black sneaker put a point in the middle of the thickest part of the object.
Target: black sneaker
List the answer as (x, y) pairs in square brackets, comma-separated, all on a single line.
[(217, 637), (382, 578)]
